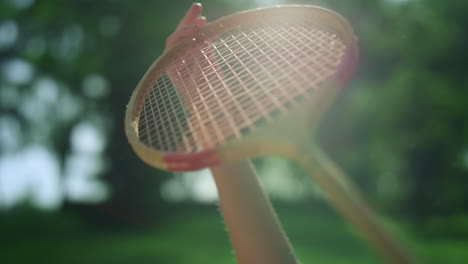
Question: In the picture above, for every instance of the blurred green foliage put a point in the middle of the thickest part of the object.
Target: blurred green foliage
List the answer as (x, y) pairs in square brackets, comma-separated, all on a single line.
[(400, 129), (404, 118), (195, 234)]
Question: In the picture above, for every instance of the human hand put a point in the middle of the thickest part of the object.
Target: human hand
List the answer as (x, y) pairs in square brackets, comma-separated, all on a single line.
[(188, 26)]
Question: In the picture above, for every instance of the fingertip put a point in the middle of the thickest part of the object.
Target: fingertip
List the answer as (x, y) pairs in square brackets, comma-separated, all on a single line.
[(191, 15), (201, 21), (197, 7)]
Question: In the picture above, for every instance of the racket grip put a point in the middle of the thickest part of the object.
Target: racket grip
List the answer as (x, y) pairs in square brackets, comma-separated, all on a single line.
[(345, 197), (255, 231)]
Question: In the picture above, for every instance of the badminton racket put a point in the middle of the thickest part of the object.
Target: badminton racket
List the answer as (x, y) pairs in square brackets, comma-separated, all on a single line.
[(253, 84)]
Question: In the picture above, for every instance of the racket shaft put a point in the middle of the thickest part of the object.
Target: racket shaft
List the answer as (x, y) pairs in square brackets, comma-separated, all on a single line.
[(347, 200), (255, 231)]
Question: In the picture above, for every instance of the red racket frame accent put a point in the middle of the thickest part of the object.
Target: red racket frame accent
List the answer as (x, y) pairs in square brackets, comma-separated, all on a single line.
[(347, 66), (191, 161)]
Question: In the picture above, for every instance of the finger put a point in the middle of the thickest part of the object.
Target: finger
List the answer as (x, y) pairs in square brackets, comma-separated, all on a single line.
[(181, 34), (194, 12), (200, 21)]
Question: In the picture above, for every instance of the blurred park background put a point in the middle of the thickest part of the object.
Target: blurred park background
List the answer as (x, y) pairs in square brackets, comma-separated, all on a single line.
[(73, 191)]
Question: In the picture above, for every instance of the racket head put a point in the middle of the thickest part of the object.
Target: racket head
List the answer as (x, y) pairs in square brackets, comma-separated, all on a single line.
[(187, 113)]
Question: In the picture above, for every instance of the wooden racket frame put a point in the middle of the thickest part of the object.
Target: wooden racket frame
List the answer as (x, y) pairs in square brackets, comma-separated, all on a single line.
[(258, 144)]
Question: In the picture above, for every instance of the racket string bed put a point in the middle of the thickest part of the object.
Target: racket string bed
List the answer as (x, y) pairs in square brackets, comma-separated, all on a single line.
[(211, 94)]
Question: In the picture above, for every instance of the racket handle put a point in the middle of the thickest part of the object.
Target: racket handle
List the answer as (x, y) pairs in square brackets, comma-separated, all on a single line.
[(255, 231), (345, 197)]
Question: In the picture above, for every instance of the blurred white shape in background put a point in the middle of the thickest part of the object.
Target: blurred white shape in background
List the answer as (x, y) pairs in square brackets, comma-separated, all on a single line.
[(30, 169), (280, 181), (84, 163), (8, 34), (9, 133), (33, 175), (191, 186), (95, 86), (17, 71), (276, 177), (22, 4)]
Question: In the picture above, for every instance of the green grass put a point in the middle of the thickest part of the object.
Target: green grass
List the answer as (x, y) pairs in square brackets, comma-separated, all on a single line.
[(197, 235)]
